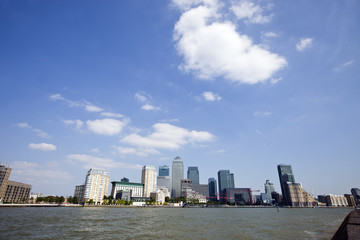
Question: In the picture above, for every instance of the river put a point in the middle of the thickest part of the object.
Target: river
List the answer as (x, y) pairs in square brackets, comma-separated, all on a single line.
[(169, 223)]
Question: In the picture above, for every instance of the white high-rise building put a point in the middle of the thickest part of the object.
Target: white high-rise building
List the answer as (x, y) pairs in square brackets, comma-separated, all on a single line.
[(148, 178), (177, 175), (96, 185)]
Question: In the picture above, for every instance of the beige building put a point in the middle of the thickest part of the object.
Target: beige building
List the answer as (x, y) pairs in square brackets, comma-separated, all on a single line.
[(148, 178), (96, 185), (17, 192), (4, 179), (336, 201), (298, 197)]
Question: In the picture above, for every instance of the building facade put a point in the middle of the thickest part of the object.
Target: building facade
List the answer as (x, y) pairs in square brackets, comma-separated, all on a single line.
[(148, 178), (164, 181), (4, 179), (356, 193), (298, 197), (96, 185), (212, 189), (193, 174), (226, 180), (238, 196), (79, 192), (285, 175), (350, 199), (17, 192), (336, 201), (177, 175), (269, 189), (136, 189), (164, 170)]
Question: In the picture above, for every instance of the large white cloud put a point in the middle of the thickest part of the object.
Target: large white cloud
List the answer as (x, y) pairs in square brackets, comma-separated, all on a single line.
[(167, 136), (42, 146), (213, 48), (88, 161), (106, 126)]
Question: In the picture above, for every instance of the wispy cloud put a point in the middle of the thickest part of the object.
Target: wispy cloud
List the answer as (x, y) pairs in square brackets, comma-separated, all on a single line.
[(344, 65), (304, 43), (88, 161), (42, 146), (145, 99), (84, 104), (78, 123), (211, 46), (38, 132), (262, 113)]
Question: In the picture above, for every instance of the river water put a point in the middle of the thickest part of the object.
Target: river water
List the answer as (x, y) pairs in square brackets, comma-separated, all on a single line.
[(169, 223)]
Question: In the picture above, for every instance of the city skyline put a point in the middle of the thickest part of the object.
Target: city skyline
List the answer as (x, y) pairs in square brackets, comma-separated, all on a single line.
[(239, 85)]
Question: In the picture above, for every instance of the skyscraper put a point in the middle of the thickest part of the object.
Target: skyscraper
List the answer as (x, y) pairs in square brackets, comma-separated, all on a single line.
[(177, 175), (164, 170), (285, 175), (269, 188), (148, 178), (226, 180), (96, 185), (193, 174), (212, 189)]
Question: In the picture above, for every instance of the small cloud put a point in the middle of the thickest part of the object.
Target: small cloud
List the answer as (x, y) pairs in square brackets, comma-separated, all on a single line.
[(38, 132), (42, 146), (304, 44), (95, 150), (112, 115), (211, 97), (142, 97), (126, 150), (107, 126), (78, 123), (344, 65), (348, 63), (92, 108), (270, 34), (149, 107), (274, 81), (258, 131), (262, 113)]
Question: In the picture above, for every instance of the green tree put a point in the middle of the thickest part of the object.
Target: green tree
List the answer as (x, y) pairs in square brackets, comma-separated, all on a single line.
[(70, 199), (91, 201), (39, 199), (75, 200)]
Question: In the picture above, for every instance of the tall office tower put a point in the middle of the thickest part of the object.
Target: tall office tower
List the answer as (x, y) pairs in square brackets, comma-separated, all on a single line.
[(285, 175), (193, 174), (226, 180), (212, 189), (356, 193), (96, 185), (269, 188), (164, 170), (177, 175), (4, 180), (148, 178)]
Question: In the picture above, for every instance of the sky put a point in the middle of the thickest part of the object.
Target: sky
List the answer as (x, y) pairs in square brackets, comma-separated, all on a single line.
[(238, 85)]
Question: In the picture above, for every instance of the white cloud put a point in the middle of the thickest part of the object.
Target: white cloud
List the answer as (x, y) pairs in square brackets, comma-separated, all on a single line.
[(275, 80), (112, 115), (88, 161), (42, 146), (78, 123), (95, 150), (348, 63), (210, 96), (304, 43), (248, 10), (344, 65), (126, 150), (38, 132), (149, 107), (262, 113), (167, 136), (34, 173), (107, 126), (92, 108), (213, 48)]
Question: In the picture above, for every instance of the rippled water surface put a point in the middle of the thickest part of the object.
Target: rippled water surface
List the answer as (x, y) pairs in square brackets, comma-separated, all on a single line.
[(168, 223)]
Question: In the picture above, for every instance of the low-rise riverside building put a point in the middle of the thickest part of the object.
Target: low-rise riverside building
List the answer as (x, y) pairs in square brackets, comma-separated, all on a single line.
[(336, 201), (298, 197), (17, 192), (350, 199), (238, 196), (136, 189), (160, 195), (4, 179)]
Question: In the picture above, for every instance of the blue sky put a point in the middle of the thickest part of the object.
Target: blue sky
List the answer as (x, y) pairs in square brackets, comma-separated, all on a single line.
[(239, 85)]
